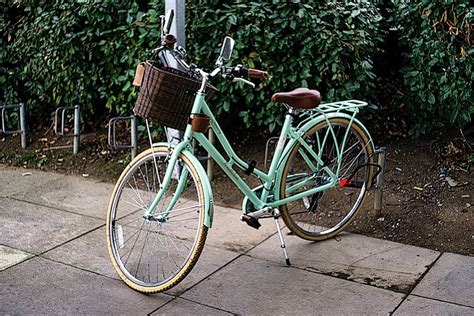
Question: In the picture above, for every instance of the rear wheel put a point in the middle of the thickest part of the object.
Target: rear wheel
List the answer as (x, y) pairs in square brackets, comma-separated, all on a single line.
[(326, 213), (154, 254)]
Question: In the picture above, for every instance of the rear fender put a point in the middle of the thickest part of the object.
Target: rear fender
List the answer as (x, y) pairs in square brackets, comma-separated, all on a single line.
[(306, 127)]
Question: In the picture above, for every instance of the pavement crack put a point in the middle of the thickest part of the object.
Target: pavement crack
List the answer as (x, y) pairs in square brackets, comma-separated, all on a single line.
[(442, 301), (53, 208), (374, 254), (417, 281), (72, 239)]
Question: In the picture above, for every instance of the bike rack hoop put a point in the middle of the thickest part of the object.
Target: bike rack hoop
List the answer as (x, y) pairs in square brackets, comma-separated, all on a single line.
[(22, 121), (112, 140), (63, 109), (378, 199), (77, 124)]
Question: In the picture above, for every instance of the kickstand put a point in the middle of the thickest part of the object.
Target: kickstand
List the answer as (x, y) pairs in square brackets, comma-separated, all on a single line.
[(276, 216)]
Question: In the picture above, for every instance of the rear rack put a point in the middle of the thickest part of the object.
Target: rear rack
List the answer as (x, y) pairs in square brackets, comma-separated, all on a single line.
[(332, 107), (347, 105)]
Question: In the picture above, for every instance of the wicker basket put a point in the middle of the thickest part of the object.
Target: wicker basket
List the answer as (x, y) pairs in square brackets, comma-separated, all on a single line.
[(167, 96)]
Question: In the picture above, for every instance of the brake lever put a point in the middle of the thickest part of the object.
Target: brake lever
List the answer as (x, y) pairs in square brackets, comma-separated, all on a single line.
[(244, 81), (158, 49)]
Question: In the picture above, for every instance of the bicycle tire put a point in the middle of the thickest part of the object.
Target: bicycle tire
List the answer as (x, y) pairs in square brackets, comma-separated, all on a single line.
[(324, 214), (146, 253)]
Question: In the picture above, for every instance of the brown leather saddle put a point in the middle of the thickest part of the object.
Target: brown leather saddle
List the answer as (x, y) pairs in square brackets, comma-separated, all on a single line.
[(300, 98)]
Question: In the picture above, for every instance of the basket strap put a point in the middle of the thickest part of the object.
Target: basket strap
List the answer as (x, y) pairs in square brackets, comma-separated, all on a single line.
[(137, 81)]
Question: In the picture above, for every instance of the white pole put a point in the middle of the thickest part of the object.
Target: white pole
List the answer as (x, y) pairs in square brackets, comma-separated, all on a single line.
[(133, 136), (177, 28), (210, 162)]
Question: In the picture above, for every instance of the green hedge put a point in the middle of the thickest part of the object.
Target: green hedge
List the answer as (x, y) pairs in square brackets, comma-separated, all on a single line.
[(438, 68), (325, 46), (86, 52), (63, 53), (57, 53)]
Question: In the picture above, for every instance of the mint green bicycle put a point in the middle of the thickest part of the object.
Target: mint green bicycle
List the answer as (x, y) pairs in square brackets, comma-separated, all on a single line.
[(162, 206)]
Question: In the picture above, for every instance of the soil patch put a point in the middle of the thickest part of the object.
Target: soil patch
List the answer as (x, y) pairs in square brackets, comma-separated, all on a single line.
[(428, 193)]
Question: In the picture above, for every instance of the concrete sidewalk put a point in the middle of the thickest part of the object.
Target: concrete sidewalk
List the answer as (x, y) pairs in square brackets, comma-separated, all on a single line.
[(53, 260)]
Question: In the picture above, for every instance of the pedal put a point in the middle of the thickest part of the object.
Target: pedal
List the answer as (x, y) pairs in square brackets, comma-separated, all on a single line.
[(252, 222)]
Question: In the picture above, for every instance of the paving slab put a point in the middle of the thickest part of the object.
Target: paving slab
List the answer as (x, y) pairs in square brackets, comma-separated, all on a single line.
[(11, 256), (451, 279), (13, 181), (181, 307), (53, 225), (44, 287), (35, 229), (251, 286), (89, 252), (355, 257), (211, 260), (71, 193), (415, 305), (230, 233)]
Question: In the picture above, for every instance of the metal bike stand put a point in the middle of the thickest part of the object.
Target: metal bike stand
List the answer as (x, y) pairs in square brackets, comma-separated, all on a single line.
[(22, 121), (133, 134), (77, 125), (379, 180)]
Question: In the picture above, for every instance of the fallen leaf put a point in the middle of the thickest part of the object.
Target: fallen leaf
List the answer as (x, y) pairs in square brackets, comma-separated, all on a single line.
[(451, 182)]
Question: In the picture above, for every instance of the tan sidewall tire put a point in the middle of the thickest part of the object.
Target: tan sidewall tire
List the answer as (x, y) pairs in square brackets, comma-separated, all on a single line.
[(283, 209), (199, 245)]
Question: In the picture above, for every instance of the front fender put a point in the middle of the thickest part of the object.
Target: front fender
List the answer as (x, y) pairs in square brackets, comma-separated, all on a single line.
[(208, 197)]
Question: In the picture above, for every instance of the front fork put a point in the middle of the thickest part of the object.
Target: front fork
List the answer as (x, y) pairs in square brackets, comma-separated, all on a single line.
[(172, 170)]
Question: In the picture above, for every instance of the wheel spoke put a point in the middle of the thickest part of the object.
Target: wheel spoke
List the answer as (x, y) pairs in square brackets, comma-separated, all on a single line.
[(325, 213), (151, 252)]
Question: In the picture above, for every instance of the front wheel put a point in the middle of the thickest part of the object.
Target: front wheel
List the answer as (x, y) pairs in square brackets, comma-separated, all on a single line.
[(152, 254), (326, 213)]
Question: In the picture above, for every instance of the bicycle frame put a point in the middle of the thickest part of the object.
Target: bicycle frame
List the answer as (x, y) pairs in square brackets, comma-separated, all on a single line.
[(324, 161), (289, 136)]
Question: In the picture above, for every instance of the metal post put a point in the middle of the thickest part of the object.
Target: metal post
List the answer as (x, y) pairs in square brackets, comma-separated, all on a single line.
[(133, 139), (210, 162), (177, 28), (23, 125), (77, 129), (379, 184)]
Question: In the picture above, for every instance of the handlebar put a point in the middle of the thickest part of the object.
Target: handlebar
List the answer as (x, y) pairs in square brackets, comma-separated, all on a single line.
[(244, 81), (259, 74), (237, 73), (241, 72)]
